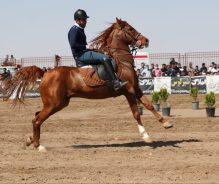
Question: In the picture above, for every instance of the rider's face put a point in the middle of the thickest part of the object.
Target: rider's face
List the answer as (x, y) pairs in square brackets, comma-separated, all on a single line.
[(82, 22)]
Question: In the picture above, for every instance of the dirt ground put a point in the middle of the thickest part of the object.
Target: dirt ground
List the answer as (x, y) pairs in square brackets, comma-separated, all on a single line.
[(97, 141)]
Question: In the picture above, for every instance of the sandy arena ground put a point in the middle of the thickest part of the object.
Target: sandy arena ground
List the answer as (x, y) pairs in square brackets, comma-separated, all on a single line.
[(97, 141)]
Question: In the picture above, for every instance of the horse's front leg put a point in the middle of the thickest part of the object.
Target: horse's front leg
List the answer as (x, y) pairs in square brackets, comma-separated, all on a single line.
[(148, 105), (133, 105)]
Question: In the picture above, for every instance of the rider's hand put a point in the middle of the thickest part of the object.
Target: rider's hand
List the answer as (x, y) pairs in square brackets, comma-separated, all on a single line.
[(89, 47)]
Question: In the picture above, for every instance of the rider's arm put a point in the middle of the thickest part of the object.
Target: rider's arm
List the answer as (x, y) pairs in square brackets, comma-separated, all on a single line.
[(72, 37)]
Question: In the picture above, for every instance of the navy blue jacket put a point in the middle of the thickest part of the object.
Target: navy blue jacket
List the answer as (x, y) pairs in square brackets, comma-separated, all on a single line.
[(77, 40)]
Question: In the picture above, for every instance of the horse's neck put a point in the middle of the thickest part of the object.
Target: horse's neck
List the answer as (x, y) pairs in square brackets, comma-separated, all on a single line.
[(124, 55)]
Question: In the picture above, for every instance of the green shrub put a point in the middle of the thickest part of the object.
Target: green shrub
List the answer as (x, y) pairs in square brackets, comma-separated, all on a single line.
[(194, 93), (210, 99), (163, 94), (155, 97)]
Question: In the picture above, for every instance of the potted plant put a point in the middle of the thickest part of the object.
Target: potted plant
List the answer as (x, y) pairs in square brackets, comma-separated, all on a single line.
[(194, 95), (155, 97), (165, 106), (210, 102)]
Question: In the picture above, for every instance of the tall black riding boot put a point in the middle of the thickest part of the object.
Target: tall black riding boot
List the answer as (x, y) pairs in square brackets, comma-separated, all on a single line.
[(109, 68)]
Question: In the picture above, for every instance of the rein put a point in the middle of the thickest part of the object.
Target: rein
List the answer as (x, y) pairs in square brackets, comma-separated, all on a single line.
[(133, 48), (135, 38)]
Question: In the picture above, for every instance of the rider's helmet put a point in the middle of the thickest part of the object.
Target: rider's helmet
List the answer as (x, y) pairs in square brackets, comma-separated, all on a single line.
[(80, 14)]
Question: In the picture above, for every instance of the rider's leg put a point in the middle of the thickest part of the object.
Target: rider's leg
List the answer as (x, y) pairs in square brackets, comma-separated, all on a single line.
[(110, 70), (93, 58)]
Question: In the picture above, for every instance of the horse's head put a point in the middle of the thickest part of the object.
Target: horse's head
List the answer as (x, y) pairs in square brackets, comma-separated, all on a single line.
[(131, 36), (120, 35)]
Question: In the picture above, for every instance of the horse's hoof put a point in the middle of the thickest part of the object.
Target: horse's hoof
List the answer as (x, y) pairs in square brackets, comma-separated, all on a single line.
[(29, 141), (167, 125), (147, 139), (41, 148)]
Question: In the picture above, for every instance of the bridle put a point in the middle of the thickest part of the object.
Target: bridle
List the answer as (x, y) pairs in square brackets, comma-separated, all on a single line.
[(135, 38), (133, 48)]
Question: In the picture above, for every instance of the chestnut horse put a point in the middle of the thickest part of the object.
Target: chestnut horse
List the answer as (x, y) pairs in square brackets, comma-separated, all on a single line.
[(60, 84)]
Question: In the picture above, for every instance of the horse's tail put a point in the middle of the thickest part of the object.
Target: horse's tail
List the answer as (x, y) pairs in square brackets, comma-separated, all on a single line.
[(15, 87)]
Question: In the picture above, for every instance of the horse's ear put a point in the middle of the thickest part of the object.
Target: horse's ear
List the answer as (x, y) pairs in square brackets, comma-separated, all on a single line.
[(120, 22), (117, 19)]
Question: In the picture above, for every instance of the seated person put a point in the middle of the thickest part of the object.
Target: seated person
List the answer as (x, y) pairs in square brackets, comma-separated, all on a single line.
[(196, 71), (4, 75), (83, 53)]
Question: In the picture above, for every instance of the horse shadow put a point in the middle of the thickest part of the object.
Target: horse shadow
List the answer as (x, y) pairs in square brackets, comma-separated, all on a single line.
[(153, 145)]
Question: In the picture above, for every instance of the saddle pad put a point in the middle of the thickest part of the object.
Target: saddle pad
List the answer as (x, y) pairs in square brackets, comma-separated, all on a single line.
[(90, 77)]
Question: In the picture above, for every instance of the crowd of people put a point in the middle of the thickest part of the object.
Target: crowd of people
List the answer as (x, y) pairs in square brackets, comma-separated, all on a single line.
[(174, 69), (9, 61)]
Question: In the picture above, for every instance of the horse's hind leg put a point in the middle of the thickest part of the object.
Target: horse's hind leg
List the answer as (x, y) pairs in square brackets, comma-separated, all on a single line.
[(40, 117), (37, 122), (133, 105)]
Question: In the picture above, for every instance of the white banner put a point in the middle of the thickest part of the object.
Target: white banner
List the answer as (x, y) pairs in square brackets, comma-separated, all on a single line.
[(162, 82), (212, 83)]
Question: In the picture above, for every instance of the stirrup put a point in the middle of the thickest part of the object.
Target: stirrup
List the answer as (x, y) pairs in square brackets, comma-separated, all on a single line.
[(119, 84)]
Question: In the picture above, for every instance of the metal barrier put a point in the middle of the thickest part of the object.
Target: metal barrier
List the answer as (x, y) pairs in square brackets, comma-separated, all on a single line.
[(196, 58), (163, 58), (48, 62)]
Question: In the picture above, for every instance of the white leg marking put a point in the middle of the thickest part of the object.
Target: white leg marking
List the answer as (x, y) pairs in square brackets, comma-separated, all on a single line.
[(144, 134), (167, 125), (142, 131), (41, 148)]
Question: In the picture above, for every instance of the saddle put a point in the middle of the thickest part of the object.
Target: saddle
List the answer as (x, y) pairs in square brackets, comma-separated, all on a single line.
[(94, 75)]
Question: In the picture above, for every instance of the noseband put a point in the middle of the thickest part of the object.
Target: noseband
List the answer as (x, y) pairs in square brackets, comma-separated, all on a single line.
[(135, 38)]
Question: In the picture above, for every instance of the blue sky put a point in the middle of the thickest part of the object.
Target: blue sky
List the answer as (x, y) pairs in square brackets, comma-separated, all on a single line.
[(39, 28)]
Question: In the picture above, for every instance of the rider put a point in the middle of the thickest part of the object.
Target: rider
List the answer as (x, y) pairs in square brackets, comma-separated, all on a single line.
[(84, 54)]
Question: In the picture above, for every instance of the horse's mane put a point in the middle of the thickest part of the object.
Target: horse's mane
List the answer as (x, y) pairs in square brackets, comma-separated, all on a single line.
[(100, 42)]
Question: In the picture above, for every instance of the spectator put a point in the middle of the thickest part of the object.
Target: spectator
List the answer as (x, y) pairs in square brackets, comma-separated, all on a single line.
[(184, 71), (196, 71), (190, 70), (157, 71), (163, 70), (172, 61), (152, 70), (142, 67), (178, 69), (171, 71), (9, 75), (138, 72), (57, 60), (4, 75), (178, 65), (12, 60), (173, 65), (203, 69), (210, 68), (214, 69), (5, 63), (146, 72)]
